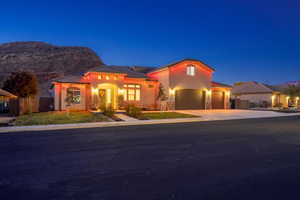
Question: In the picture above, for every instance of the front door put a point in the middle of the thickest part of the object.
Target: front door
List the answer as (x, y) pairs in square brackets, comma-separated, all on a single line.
[(102, 97)]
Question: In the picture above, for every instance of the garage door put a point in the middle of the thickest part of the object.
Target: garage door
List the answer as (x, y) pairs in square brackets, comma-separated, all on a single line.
[(189, 99), (218, 98)]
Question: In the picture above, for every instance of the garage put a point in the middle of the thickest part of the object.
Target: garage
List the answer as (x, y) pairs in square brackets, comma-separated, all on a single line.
[(218, 99), (189, 99)]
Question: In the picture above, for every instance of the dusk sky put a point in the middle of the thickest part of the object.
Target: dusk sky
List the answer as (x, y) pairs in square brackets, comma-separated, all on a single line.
[(243, 40)]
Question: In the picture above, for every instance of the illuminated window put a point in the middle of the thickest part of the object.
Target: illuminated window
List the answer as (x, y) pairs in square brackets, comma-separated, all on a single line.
[(132, 92), (115, 78), (190, 70), (107, 77), (73, 95), (99, 77)]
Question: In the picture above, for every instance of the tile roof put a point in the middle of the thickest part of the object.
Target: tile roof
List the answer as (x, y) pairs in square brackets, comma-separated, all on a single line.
[(69, 79), (252, 87), (6, 94), (132, 72), (217, 84)]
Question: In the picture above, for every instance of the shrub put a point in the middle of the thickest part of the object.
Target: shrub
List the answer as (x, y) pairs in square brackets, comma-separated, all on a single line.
[(133, 111), (109, 111)]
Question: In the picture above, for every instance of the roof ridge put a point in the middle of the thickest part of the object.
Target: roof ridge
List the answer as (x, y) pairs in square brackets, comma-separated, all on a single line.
[(182, 60)]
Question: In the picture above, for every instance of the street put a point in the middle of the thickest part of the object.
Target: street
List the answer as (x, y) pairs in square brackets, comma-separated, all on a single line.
[(238, 159)]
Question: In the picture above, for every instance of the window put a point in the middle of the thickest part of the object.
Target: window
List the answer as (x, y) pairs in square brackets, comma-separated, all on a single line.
[(73, 95), (132, 92), (190, 70)]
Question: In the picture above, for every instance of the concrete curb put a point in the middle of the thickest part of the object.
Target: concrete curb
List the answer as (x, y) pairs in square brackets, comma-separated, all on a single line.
[(95, 125), (126, 123)]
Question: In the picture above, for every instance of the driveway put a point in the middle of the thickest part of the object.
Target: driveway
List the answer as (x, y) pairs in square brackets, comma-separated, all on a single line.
[(209, 115), (239, 159)]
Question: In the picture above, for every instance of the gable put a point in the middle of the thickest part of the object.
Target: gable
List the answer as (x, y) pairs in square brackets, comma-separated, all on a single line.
[(182, 62)]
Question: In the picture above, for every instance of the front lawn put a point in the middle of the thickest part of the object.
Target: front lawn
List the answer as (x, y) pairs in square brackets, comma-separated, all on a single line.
[(58, 118), (166, 115)]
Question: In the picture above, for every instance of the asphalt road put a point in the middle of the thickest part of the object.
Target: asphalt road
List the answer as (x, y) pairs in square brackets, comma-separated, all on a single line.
[(242, 159)]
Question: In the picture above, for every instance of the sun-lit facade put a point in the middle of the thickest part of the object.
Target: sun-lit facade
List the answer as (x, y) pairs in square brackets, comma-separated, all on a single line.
[(118, 86)]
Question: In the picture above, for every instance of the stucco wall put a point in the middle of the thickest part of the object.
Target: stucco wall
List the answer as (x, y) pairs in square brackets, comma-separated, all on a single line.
[(62, 103), (176, 78), (180, 80), (149, 92), (256, 98), (163, 77)]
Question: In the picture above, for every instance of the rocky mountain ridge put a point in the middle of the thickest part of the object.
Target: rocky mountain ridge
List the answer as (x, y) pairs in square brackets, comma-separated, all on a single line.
[(45, 60)]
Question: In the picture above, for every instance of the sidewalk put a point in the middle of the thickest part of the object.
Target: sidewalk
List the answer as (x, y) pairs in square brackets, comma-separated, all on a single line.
[(140, 122), (95, 125), (4, 119)]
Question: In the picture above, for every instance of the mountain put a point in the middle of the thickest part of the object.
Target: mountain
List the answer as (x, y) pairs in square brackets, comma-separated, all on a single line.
[(45, 60)]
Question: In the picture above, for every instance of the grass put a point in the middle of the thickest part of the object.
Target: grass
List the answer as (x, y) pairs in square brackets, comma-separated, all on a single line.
[(166, 115), (46, 118)]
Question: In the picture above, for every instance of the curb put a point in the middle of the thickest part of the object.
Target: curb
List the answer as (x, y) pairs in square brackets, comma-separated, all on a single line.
[(96, 125), (126, 123)]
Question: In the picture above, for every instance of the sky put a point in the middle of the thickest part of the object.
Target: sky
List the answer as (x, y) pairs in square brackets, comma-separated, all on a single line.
[(257, 40)]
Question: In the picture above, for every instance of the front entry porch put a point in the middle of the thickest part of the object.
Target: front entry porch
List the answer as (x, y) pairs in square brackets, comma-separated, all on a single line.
[(104, 95)]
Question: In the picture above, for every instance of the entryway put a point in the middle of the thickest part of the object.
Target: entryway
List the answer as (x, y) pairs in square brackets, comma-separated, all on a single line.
[(107, 95)]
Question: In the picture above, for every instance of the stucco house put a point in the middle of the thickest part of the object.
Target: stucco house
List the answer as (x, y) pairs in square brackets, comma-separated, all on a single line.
[(187, 84), (259, 94)]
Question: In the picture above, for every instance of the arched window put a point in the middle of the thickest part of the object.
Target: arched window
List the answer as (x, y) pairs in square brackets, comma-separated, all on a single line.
[(73, 95)]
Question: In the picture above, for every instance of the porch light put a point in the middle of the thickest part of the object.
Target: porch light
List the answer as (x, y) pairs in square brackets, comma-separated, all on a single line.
[(94, 90), (209, 92), (121, 91), (228, 93), (171, 91), (273, 97)]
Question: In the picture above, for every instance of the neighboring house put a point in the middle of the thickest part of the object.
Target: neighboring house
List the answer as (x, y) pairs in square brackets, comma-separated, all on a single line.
[(259, 94), (188, 85), (4, 100)]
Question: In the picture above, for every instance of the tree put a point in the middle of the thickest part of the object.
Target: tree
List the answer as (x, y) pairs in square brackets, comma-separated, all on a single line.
[(22, 84)]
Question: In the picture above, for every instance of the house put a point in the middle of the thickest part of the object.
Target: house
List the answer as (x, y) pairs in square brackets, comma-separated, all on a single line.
[(4, 100), (187, 84), (259, 94)]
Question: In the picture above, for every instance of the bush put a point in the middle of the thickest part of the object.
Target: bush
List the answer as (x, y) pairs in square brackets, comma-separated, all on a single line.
[(109, 111), (133, 111)]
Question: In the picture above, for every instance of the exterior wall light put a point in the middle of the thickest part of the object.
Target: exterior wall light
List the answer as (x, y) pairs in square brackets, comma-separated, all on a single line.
[(121, 91), (228, 93), (94, 90), (172, 91), (209, 92)]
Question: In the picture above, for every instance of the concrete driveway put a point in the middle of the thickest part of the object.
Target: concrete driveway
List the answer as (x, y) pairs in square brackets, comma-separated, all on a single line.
[(209, 115)]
